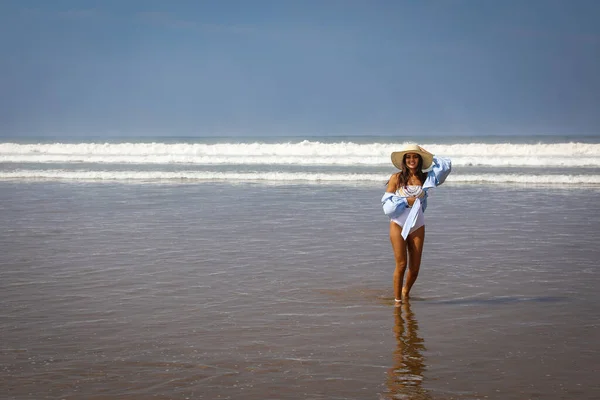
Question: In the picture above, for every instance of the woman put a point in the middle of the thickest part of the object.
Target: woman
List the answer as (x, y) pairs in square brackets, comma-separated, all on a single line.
[(405, 201)]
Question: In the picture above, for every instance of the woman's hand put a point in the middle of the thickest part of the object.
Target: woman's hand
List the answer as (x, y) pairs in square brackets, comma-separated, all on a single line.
[(392, 185)]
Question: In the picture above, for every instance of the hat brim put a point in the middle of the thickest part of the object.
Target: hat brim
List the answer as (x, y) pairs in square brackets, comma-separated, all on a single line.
[(398, 157)]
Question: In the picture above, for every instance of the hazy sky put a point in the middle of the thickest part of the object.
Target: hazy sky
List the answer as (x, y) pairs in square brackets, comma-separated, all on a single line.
[(299, 67)]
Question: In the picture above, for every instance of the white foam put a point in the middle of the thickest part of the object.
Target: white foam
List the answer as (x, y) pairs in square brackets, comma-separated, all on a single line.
[(299, 153), (289, 177), (185, 175), (527, 179)]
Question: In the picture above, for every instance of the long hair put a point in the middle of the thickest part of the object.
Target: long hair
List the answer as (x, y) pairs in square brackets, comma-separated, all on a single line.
[(404, 172)]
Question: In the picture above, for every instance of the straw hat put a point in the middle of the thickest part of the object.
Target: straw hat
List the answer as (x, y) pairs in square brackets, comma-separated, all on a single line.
[(398, 156)]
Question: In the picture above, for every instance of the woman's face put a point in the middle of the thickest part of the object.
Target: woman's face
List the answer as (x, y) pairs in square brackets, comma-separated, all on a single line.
[(412, 160)]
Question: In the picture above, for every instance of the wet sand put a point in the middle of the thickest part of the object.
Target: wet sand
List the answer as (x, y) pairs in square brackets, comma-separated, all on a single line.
[(217, 291)]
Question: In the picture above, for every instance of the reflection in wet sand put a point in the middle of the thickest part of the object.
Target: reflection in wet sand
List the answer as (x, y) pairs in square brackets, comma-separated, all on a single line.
[(405, 378)]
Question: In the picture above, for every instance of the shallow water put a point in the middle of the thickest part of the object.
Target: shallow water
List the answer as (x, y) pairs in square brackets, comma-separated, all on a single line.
[(263, 292)]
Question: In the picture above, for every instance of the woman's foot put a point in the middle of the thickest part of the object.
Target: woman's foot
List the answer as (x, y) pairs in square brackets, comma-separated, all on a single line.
[(397, 303), (405, 295)]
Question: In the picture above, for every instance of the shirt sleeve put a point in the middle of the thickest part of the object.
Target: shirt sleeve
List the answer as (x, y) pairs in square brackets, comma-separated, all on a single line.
[(393, 205), (440, 170)]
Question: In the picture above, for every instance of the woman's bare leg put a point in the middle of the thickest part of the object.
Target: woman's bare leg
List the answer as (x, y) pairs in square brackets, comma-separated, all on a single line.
[(399, 246), (414, 245)]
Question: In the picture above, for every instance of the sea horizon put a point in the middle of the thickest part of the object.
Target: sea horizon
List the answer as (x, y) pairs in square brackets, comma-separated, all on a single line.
[(475, 137)]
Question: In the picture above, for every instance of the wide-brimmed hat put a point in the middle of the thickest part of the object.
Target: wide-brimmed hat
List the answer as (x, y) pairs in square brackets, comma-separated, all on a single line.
[(398, 156)]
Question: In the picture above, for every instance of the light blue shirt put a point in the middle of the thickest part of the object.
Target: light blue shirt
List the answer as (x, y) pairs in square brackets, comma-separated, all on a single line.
[(394, 205)]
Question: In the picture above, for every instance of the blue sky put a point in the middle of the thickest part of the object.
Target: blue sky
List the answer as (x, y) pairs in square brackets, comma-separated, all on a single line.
[(299, 67)]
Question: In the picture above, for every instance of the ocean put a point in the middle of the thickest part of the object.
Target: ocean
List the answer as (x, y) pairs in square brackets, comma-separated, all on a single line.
[(261, 268), (333, 160)]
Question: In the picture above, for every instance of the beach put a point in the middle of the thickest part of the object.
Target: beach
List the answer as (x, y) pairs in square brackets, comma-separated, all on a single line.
[(228, 290), (191, 200)]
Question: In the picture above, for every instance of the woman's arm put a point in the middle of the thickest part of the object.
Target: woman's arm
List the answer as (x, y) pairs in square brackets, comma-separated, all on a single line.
[(393, 205), (392, 184), (440, 170)]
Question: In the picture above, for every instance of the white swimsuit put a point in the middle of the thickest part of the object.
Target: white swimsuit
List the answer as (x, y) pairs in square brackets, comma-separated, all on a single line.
[(411, 191)]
